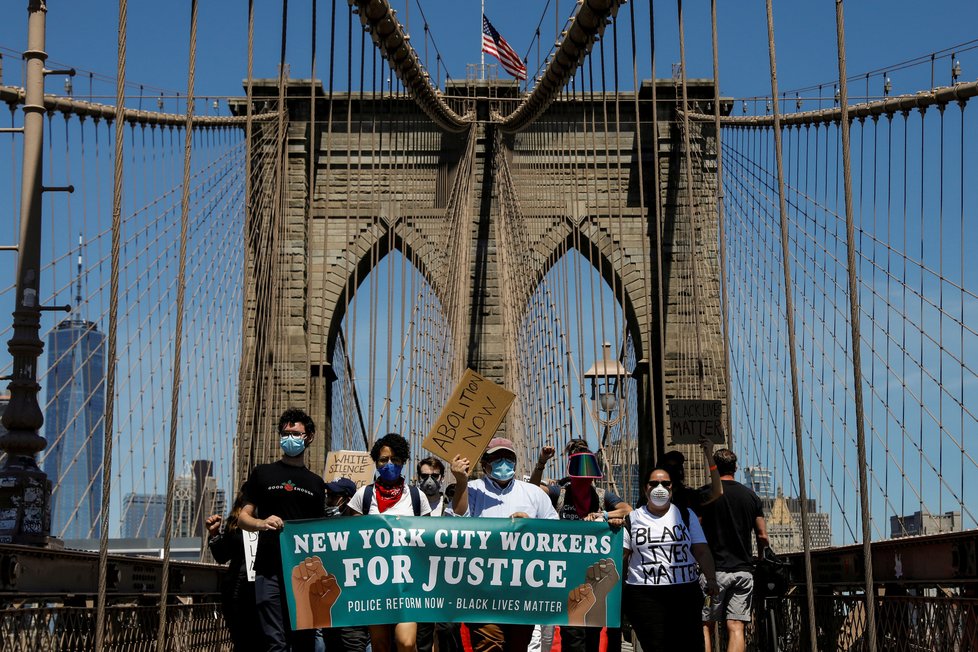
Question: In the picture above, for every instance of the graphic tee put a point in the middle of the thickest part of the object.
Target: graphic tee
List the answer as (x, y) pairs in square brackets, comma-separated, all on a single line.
[(289, 492), (569, 512), (662, 548)]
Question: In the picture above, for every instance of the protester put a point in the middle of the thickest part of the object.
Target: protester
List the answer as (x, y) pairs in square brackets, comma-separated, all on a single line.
[(728, 524), (577, 499), (431, 473), (674, 463), (661, 594), (498, 495), (387, 495), (275, 493), (226, 543), (338, 495), (348, 639)]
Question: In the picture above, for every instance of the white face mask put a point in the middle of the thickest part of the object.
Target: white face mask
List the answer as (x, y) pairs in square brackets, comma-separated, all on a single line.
[(659, 496)]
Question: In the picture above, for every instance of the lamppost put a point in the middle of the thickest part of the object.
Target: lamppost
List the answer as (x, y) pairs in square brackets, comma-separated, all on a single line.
[(25, 490), (607, 379)]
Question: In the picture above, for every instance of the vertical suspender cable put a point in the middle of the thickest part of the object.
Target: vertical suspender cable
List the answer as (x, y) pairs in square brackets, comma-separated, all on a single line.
[(242, 409), (161, 638), (657, 196), (721, 222), (687, 157), (790, 321), (111, 351), (857, 385), (310, 192)]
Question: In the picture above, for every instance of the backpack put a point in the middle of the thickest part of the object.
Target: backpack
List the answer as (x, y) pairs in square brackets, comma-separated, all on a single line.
[(368, 499)]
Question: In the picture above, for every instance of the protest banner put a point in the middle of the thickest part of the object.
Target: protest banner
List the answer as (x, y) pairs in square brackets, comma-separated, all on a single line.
[(692, 419), (470, 418), (250, 542), (372, 570), (355, 465)]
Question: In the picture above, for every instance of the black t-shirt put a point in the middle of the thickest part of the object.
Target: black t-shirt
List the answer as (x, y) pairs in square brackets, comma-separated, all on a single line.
[(289, 492), (728, 523), (569, 513)]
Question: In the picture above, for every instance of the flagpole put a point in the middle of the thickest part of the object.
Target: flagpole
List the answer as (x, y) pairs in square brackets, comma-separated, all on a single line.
[(481, 19)]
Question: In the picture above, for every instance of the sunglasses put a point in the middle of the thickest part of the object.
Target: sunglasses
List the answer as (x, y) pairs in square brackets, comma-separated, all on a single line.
[(655, 483), (425, 476)]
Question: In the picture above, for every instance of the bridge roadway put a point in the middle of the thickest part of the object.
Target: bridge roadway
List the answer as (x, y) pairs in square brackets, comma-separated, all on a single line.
[(927, 587)]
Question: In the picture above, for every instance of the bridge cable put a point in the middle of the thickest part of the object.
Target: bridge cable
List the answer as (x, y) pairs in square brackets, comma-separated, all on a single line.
[(111, 352), (161, 638), (856, 336), (721, 226)]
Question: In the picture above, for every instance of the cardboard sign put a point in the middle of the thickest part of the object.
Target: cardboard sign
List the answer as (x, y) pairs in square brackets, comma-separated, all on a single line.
[(693, 419), (250, 541), (355, 465), (470, 418)]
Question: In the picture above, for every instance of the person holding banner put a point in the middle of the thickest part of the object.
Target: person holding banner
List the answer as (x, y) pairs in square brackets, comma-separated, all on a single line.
[(663, 545), (348, 639), (498, 495), (387, 496), (577, 499), (274, 493)]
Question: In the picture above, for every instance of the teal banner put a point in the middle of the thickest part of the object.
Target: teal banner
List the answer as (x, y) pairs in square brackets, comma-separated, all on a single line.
[(371, 570)]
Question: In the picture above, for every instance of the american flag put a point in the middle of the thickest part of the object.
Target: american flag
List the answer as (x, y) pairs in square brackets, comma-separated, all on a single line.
[(496, 45)]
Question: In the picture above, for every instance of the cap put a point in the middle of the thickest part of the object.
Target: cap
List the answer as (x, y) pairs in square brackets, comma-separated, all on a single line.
[(500, 444), (342, 486)]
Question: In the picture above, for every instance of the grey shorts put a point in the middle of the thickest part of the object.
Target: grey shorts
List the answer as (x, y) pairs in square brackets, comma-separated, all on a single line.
[(734, 600)]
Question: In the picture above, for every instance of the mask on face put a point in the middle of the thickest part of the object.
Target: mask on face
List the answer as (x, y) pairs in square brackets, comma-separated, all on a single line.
[(502, 470), (293, 446), (333, 511), (659, 496), (430, 487), (390, 472)]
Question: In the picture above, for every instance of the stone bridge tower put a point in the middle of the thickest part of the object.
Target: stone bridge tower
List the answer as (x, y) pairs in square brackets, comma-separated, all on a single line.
[(383, 177)]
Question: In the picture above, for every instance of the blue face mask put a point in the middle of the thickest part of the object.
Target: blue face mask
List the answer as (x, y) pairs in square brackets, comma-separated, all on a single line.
[(502, 470), (293, 446), (390, 472)]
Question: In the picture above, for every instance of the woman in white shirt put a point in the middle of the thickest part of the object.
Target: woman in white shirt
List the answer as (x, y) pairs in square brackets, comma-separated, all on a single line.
[(390, 495), (663, 547)]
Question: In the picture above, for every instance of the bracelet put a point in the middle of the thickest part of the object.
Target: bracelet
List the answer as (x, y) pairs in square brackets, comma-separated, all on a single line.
[(713, 468), (605, 513)]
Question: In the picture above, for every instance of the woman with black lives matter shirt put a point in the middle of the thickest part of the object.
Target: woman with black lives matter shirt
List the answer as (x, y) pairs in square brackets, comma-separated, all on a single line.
[(661, 594)]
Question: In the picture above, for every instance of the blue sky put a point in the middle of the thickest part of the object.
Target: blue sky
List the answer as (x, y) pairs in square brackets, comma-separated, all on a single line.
[(879, 34)]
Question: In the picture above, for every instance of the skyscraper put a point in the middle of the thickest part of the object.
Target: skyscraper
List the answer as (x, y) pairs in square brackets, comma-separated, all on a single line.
[(761, 480), (73, 423), (142, 516), (195, 497)]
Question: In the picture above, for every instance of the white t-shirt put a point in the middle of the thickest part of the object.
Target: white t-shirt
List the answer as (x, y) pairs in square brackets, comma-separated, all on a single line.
[(488, 500), (438, 509), (402, 507), (662, 548)]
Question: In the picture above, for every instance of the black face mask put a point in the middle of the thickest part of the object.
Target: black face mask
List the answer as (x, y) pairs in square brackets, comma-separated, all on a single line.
[(335, 510)]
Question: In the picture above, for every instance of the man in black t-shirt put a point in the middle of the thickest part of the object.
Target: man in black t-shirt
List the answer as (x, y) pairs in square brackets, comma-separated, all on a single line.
[(274, 493), (728, 524)]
